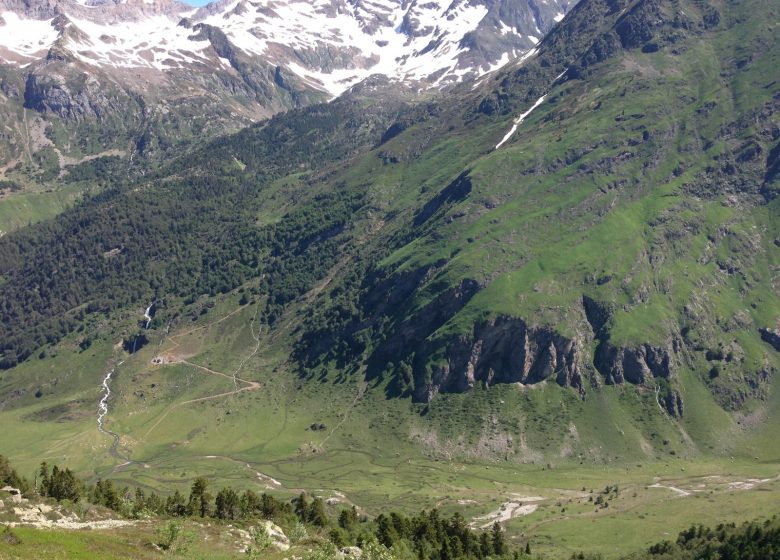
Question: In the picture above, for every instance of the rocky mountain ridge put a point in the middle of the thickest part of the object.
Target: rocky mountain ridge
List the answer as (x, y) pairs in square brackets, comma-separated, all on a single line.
[(328, 44), (146, 78), (593, 318)]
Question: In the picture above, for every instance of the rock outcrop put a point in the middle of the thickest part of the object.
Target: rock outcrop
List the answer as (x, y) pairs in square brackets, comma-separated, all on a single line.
[(502, 350), (75, 98), (673, 403), (638, 365), (15, 493), (771, 336)]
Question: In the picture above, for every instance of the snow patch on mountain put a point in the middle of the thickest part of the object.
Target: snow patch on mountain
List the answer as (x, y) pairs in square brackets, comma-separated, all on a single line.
[(408, 44), (155, 42), (518, 121), (329, 44), (26, 38)]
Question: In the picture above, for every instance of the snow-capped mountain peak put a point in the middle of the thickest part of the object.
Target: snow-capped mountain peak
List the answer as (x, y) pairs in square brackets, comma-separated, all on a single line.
[(329, 45)]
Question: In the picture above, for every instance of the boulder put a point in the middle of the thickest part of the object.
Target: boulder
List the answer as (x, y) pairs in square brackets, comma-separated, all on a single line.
[(16, 494), (280, 540)]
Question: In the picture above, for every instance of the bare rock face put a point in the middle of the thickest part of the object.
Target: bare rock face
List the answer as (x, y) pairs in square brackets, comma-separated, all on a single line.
[(502, 350), (646, 365), (16, 494), (771, 336), (76, 99), (673, 403), (638, 365)]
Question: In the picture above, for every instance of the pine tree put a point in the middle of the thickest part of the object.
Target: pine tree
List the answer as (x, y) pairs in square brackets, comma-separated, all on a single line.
[(9, 476), (344, 521), (270, 507), (104, 494), (385, 531), (317, 515), (485, 546), (175, 505), (301, 504), (348, 518), (249, 504), (445, 553), (139, 501), (227, 503), (154, 504), (60, 485), (44, 474), (497, 539), (338, 537), (200, 500)]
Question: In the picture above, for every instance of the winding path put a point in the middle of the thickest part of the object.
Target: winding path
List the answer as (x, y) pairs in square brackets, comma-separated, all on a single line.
[(248, 385), (360, 392)]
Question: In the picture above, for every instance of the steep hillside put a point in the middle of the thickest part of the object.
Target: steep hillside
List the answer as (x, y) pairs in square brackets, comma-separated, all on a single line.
[(152, 239), (624, 233), (86, 86), (591, 234)]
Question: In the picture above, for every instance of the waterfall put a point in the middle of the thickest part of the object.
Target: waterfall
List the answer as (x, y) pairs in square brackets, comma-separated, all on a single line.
[(148, 319), (148, 316)]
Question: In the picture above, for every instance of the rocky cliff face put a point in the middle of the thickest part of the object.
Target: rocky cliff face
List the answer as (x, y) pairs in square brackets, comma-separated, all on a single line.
[(502, 350), (78, 98), (509, 350), (638, 365), (506, 349)]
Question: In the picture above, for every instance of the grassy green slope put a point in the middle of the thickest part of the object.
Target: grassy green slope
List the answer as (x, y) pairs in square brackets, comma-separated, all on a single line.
[(654, 206), (649, 202), (642, 182)]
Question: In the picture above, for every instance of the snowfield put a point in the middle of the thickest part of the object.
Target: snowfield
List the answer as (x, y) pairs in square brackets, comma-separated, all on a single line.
[(331, 45)]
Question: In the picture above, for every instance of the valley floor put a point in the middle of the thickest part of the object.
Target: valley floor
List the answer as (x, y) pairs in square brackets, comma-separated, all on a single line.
[(211, 400)]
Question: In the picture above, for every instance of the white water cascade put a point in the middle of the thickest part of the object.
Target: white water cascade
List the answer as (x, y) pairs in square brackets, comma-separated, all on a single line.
[(103, 405), (106, 393), (147, 315)]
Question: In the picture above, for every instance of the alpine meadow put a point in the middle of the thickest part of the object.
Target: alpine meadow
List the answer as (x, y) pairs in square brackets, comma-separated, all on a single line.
[(390, 280)]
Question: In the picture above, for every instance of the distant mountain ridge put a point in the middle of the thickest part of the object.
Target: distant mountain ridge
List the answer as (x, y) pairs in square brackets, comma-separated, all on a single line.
[(146, 78), (328, 44)]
